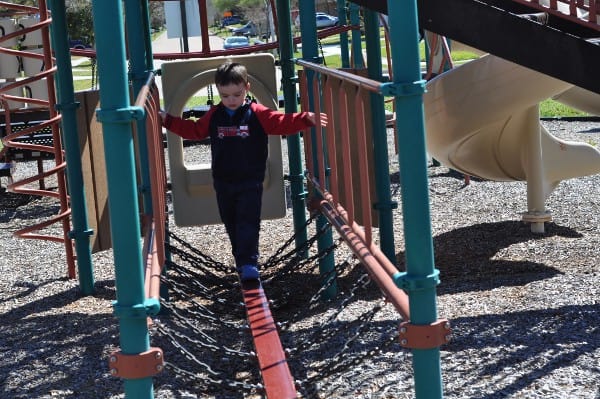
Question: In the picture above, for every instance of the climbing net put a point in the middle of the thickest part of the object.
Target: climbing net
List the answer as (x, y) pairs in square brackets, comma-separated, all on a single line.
[(204, 328)]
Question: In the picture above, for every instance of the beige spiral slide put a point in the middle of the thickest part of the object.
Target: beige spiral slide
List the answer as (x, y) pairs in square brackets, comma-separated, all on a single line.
[(482, 119)]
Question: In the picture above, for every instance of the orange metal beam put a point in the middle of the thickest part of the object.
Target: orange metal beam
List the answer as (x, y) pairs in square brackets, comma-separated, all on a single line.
[(380, 269), (277, 379)]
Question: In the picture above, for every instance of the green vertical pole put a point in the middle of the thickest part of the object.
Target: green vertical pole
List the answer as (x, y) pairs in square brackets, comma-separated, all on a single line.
[(289, 80), (308, 25), (67, 106), (357, 58), (421, 277), (137, 28), (384, 203), (116, 115), (342, 18), (142, 63)]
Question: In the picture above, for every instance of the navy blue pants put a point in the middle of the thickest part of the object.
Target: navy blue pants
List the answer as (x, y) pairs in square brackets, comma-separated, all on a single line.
[(240, 206)]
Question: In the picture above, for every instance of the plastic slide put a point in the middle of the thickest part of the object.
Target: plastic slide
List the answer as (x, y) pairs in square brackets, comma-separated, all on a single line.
[(482, 119)]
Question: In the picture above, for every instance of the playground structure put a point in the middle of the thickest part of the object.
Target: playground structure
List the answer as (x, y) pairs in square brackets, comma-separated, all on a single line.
[(117, 114)]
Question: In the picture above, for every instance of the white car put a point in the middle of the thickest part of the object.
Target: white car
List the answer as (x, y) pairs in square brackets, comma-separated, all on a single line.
[(323, 20)]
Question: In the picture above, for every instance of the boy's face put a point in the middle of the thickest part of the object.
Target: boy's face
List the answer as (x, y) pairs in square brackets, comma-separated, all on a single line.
[(233, 95)]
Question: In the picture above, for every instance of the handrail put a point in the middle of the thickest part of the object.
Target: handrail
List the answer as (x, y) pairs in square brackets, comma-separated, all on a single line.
[(362, 82), (348, 91), (148, 98)]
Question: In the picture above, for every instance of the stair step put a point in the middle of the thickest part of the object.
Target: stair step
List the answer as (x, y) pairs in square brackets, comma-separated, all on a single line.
[(594, 40), (539, 17)]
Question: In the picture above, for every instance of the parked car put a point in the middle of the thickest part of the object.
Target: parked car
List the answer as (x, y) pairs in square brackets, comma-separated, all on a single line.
[(232, 20), (249, 29), (323, 20), (78, 44), (235, 42), (326, 21)]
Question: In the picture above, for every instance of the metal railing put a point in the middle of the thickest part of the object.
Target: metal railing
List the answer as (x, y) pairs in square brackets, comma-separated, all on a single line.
[(330, 167), (154, 223), (582, 12), (46, 73)]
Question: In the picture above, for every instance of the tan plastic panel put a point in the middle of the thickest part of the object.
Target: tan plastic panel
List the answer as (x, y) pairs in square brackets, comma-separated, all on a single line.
[(479, 121), (194, 200)]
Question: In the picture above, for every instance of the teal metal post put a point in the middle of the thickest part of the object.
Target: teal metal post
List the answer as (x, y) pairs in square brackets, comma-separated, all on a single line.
[(142, 63), (344, 45), (384, 203), (357, 58), (308, 25), (116, 115), (421, 277), (289, 80), (137, 28), (67, 106)]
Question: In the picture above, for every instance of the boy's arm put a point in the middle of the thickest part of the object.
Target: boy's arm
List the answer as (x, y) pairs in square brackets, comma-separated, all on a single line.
[(279, 123), (186, 128)]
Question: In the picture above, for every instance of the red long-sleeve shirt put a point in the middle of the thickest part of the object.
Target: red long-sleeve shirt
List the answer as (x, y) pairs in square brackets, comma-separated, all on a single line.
[(239, 142)]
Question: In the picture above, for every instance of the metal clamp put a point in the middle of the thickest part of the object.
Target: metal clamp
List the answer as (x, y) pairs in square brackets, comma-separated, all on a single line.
[(405, 89), (67, 106), (385, 205), (150, 307), (141, 365), (426, 336), (120, 115), (411, 283), (75, 234)]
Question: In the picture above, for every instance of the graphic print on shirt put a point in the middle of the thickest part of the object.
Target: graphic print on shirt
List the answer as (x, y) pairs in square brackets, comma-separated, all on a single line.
[(244, 131), (233, 131)]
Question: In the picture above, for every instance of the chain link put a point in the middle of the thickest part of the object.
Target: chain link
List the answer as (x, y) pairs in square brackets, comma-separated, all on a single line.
[(280, 258), (209, 375), (205, 279), (317, 298), (207, 260)]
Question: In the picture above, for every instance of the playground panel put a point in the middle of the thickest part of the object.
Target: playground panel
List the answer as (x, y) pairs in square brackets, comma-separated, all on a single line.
[(192, 184), (94, 169)]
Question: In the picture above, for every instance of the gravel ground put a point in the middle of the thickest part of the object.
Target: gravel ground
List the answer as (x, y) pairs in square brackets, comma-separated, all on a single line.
[(524, 308)]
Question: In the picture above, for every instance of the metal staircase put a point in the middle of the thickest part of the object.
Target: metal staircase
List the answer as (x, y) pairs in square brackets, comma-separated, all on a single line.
[(558, 45)]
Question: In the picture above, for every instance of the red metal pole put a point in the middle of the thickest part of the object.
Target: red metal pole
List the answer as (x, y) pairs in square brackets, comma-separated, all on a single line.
[(378, 266)]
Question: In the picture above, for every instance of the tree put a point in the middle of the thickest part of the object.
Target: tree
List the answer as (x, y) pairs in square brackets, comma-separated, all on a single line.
[(80, 23)]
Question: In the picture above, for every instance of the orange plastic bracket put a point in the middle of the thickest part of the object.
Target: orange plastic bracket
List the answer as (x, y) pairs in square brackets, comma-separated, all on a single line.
[(142, 365), (426, 336)]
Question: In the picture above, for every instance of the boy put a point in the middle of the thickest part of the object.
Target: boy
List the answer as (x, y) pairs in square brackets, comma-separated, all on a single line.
[(238, 132)]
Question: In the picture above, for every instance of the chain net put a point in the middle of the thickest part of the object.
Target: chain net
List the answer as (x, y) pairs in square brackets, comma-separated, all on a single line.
[(203, 330)]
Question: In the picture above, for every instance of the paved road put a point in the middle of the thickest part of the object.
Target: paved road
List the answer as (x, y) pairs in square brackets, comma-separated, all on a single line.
[(162, 44)]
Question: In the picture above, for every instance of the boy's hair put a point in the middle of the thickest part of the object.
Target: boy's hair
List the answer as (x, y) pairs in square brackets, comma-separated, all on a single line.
[(231, 73)]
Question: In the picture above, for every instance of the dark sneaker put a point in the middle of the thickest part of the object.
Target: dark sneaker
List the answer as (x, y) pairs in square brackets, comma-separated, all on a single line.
[(248, 272)]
